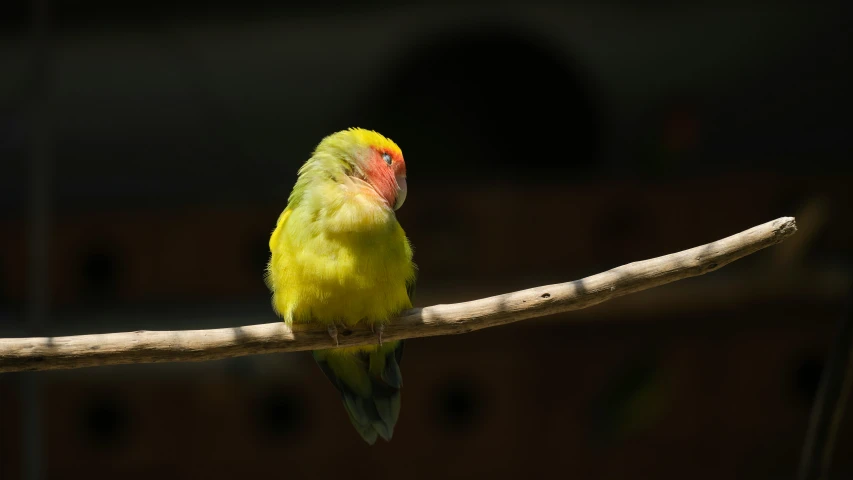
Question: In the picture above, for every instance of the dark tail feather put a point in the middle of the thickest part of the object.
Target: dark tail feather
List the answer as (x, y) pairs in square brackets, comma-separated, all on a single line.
[(372, 401)]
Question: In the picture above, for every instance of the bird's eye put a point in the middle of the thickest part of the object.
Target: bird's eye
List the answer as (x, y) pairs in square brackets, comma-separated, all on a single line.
[(387, 158)]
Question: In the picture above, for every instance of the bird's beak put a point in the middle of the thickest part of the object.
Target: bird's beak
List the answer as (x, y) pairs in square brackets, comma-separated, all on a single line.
[(401, 192)]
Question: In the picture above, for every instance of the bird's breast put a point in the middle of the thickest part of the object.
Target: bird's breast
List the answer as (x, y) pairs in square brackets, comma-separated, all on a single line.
[(325, 274)]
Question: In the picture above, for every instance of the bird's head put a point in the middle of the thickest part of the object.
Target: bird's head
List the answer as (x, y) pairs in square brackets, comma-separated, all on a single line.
[(372, 158)]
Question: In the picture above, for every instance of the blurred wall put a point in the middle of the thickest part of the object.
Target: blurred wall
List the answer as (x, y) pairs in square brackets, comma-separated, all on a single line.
[(544, 143)]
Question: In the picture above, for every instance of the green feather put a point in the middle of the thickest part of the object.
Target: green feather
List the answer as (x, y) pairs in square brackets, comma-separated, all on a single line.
[(371, 401)]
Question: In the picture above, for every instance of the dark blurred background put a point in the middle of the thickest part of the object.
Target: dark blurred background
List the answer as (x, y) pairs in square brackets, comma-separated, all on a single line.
[(147, 148)]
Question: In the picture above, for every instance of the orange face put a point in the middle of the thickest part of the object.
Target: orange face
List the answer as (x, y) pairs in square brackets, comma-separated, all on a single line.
[(385, 169)]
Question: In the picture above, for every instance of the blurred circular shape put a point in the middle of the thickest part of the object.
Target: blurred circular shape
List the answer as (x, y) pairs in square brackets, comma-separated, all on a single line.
[(488, 102), (105, 421), (280, 414), (99, 269), (459, 405), (807, 373)]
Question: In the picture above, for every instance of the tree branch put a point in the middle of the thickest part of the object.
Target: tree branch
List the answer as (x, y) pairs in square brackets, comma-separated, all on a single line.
[(50, 353)]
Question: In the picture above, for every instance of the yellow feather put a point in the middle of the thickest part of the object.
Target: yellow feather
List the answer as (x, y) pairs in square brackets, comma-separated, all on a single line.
[(338, 253)]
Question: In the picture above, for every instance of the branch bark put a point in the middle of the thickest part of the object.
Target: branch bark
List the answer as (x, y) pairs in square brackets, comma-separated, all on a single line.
[(51, 353)]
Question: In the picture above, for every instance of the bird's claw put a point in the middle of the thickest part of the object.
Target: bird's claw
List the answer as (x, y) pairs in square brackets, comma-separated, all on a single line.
[(378, 329), (333, 332)]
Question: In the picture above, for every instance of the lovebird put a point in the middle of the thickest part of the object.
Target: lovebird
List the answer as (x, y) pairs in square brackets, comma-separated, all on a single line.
[(340, 259)]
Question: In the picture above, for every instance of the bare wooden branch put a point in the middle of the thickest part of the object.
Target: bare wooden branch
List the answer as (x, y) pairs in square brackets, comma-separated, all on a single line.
[(49, 353)]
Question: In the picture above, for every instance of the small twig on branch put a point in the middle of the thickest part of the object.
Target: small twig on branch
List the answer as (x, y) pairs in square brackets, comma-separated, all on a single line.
[(50, 353)]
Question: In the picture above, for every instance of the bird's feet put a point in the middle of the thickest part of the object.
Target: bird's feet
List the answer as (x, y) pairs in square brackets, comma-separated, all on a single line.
[(378, 329), (333, 332)]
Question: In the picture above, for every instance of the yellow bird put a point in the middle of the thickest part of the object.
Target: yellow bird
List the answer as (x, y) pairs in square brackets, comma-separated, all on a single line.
[(340, 258)]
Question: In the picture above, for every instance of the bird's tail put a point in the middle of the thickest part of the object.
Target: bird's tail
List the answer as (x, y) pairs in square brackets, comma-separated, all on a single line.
[(369, 381)]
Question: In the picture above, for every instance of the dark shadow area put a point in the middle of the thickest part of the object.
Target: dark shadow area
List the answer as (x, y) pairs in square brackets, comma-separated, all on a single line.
[(105, 422), (147, 150), (805, 378), (475, 103), (100, 271), (280, 415), (460, 406)]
